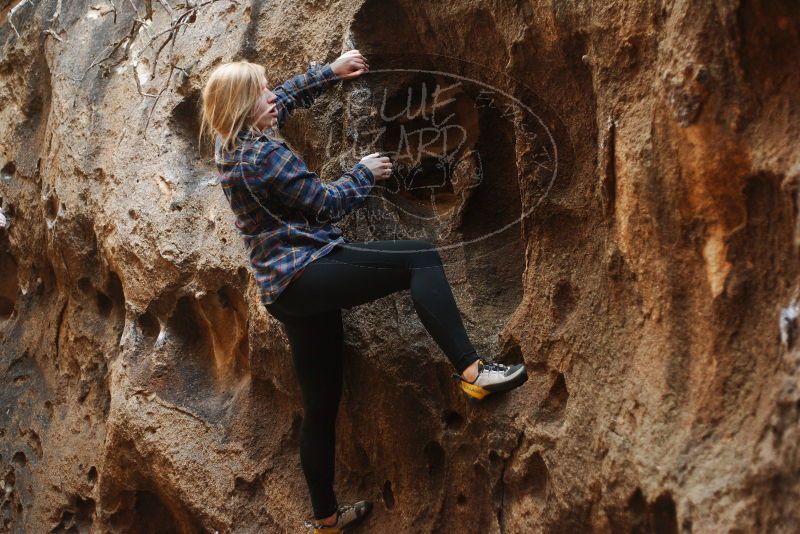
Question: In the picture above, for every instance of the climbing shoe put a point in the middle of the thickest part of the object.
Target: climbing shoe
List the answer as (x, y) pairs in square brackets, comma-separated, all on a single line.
[(347, 516), (493, 377)]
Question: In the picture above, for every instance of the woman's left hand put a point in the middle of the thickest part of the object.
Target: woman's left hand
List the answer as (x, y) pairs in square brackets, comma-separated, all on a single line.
[(349, 65)]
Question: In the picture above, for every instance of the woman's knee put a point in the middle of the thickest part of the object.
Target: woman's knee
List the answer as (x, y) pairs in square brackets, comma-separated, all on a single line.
[(419, 245), (424, 253)]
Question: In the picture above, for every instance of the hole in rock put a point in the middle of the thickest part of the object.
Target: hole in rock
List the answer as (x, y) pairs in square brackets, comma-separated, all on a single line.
[(243, 274), (51, 205), (453, 420), (461, 499), (224, 296), (637, 505), (388, 496), (37, 99), (250, 488), (85, 285), (78, 517), (495, 254), (556, 402), (455, 175), (189, 376), (665, 520), (8, 171), (148, 325), (202, 351), (430, 155), (455, 180), (143, 511), (104, 304), (225, 313), (185, 120), (91, 476), (563, 301), (66, 523), (658, 517), (537, 477), (20, 459), (34, 442), (511, 353)]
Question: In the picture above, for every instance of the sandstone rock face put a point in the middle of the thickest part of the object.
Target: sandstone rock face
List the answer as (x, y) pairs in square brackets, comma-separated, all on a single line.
[(627, 227)]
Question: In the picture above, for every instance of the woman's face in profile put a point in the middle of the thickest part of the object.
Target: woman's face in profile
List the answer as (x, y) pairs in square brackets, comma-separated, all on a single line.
[(265, 113)]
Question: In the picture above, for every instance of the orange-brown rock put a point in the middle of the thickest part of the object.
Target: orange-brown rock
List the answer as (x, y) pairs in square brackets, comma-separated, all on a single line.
[(621, 216)]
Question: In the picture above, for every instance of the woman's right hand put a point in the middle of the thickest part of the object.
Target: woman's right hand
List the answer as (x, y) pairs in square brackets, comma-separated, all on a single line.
[(380, 166)]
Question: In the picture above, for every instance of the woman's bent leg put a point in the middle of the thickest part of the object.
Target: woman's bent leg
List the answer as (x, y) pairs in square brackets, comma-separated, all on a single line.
[(316, 344), (360, 272)]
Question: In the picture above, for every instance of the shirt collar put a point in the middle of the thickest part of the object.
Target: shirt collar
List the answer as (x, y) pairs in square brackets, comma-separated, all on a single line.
[(247, 133), (244, 135)]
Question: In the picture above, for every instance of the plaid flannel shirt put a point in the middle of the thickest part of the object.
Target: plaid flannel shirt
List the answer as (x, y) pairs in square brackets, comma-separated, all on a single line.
[(283, 212)]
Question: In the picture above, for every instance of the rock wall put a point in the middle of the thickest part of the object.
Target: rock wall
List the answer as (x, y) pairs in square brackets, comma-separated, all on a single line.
[(645, 268)]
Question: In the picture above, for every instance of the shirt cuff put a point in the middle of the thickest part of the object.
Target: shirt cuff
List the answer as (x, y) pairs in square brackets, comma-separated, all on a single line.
[(363, 169), (327, 72)]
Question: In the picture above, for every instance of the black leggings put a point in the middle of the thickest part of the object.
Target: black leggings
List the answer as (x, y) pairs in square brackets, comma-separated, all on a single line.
[(310, 310)]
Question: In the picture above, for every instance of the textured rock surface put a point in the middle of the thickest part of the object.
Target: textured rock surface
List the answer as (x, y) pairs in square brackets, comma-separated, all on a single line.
[(652, 291)]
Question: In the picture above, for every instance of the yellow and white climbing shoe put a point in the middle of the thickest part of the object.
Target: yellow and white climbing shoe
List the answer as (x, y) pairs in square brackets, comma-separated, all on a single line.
[(347, 516), (493, 377)]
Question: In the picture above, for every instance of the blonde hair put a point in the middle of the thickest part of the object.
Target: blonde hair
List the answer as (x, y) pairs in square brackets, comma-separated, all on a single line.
[(228, 99)]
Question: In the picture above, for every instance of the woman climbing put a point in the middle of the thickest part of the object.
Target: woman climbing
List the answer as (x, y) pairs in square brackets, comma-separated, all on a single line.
[(307, 271)]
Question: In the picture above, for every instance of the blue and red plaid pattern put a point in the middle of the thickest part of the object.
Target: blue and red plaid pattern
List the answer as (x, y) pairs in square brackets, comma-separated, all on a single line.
[(283, 211)]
